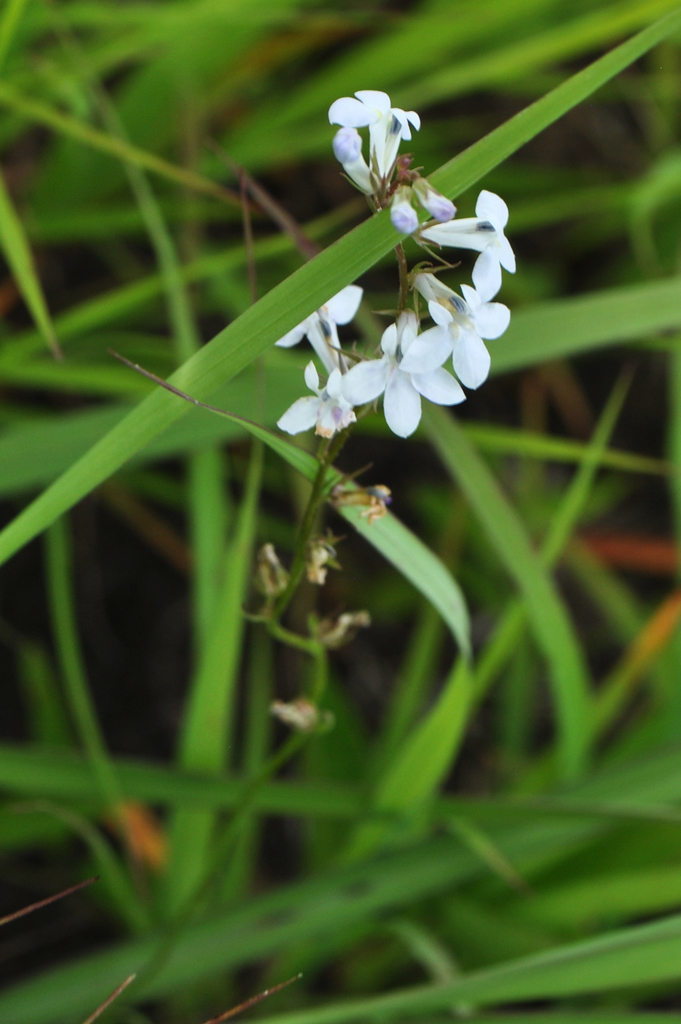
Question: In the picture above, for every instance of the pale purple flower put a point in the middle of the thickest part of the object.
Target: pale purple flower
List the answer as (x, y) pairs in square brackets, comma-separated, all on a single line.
[(387, 125), (484, 233), (328, 411), (466, 321), (411, 366), (320, 327)]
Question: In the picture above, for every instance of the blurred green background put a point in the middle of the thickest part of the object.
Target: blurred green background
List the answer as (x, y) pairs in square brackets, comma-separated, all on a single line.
[(500, 840)]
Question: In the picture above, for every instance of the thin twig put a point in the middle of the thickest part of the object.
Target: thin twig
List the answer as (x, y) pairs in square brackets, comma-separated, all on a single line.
[(306, 247), (248, 237), (46, 902), (107, 1002), (253, 1001)]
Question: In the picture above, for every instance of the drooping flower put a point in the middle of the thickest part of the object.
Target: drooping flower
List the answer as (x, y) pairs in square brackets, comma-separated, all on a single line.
[(485, 234), (320, 326), (402, 213), (387, 125), (347, 148), (466, 322), (328, 411), (411, 366)]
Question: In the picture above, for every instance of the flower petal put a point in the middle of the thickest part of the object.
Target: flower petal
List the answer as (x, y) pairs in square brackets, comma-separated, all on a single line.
[(492, 207), (439, 314), (487, 274), (414, 118), (334, 385), (473, 300), (458, 234), (389, 340), (366, 381), (301, 416), (428, 351), (318, 341), (492, 319), (378, 101), (294, 336), (350, 113), (401, 405), (343, 306), (506, 255), (471, 359), (311, 376), (439, 387)]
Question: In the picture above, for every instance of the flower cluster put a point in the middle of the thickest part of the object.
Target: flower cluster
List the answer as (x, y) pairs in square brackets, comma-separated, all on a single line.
[(410, 364)]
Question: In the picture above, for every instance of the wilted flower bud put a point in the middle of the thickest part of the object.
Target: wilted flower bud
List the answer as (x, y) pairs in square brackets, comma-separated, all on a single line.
[(335, 632), (320, 553), (402, 213), (301, 715), (376, 499), (437, 205), (270, 578)]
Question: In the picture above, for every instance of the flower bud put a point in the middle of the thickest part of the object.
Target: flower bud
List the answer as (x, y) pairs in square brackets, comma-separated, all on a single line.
[(270, 578), (302, 715), (335, 632), (375, 499), (320, 554), (402, 213), (437, 205), (347, 145)]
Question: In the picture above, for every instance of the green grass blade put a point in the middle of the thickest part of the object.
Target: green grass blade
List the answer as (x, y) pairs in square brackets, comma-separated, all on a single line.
[(8, 26), (17, 252), (62, 608), (209, 716), (423, 762), (551, 626)]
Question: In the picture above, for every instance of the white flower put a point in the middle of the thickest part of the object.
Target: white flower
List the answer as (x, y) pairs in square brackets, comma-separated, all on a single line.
[(328, 412), (411, 366), (320, 327), (347, 148), (485, 233), (467, 321), (434, 202), (387, 125), (402, 213)]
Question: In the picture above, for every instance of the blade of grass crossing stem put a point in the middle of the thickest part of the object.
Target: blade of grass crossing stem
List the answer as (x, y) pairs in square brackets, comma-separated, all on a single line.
[(552, 627), (208, 720), (17, 252), (423, 762), (304, 291), (508, 631), (388, 535)]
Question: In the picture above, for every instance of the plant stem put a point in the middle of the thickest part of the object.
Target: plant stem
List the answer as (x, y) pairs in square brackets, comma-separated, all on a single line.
[(404, 278)]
